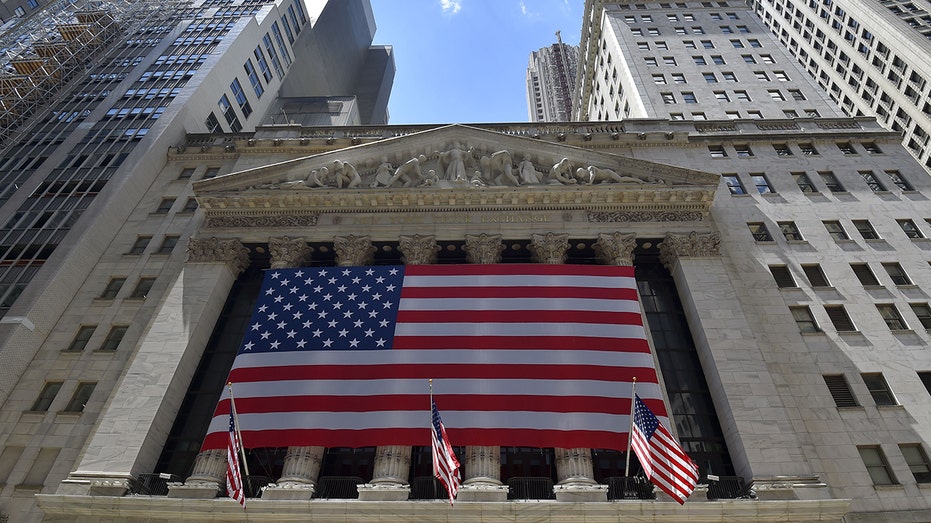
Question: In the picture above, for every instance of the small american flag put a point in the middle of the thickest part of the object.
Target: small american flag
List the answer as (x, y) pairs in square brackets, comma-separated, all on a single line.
[(233, 477), (445, 464), (662, 459)]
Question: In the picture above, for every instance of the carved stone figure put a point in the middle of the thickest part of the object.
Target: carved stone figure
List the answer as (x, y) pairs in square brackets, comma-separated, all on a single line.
[(497, 169), (453, 163), (562, 172), (594, 175), (409, 172), (383, 174), (527, 172), (346, 175)]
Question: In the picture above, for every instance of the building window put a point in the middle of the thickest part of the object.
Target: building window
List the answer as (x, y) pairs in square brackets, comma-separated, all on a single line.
[(744, 151), (168, 245), (717, 151), (112, 289), (678, 78), (863, 273), (815, 275), (699, 116), (891, 316), (164, 206), (917, 461), (189, 206), (668, 98), (836, 230), (710, 78), (81, 338), (659, 79), (923, 313), (253, 78), (263, 64), (899, 181), (804, 319), (761, 182), (44, 401), (866, 230), (760, 232), (717, 60), (80, 397), (808, 149), (733, 184), (749, 59), (872, 148), (186, 173), (689, 98), (831, 181), (925, 377), (782, 149), (721, 96), (699, 60), (240, 96), (669, 60), (707, 44), (846, 148), (840, 390), (729, 77), (139, 246), (742, 96), (783, 276), (776, 95), (874, 184), (790, 231), (226, 109), (840, 318), (897, 274), (142, 288), (211, 172), (650, 61), (114, 337), (910, 229)]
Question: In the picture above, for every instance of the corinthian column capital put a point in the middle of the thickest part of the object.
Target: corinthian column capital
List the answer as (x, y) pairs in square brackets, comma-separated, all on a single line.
[(616, 248), (418, 250), (550, 247), (353, 250), (212, 250), (675, 246), (483, 248)]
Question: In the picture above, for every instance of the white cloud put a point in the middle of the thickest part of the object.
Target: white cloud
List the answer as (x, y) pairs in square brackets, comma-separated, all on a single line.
[(450, 6), (523, 7)]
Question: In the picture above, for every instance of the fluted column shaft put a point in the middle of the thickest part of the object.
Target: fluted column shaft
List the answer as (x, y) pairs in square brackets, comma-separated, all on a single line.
[(573, 466), (483, 463)]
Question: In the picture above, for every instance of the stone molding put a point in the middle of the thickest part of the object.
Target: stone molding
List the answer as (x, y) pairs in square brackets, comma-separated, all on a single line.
[(353, 250), (235, 221), (286, 252), (484, 248), (418, 249), (645, 216), (675, 246), (616, 248), (212, 250), (550, 247)]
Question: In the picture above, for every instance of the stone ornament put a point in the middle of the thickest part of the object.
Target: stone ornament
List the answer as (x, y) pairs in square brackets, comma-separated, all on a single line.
[(549, 247), (483, 248), (457, 166), (418, 250), (675, 246), (616, 248), (645, 216), (212, 250), (279, 220), (353, 250), (286, 252)]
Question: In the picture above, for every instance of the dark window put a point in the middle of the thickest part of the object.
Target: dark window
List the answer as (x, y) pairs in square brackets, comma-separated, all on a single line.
[(761, 183), (49, 391), (840, 390), (836, 230), (910, 229), (790, 231), (114, 337), (891, 316), (808, 149), (874, 184), (141, 243), (717, 151), (782, 275), (112, 289), (782, 150), (186, 173), (866, 230), (897, 274), (760, 232), (923, 313), (815, 275), (804, 183), (917, 461), (864, 274), (142, 288), (831, 181), (839, 318), (875, 462), (925, 377), (899, 181), (733, 184), (168, 245), (81, 395), (211, 172), (81, 338), (804, 319), (164, 206), (189, 206), (743, 151)]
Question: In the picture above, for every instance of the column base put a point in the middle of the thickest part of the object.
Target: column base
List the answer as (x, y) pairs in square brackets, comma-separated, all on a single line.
[(384, 492), (289, 491), (492, 493), (576, 493), (196, 490)]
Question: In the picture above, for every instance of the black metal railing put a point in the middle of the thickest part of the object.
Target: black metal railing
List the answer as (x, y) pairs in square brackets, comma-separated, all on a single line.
[(427, 487), (530, 488), (728, 487), (255, 484), (620, 487), (152, 484), (338, 487)]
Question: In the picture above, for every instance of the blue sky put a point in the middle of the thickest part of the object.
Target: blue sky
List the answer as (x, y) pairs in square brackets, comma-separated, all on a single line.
[(465, 61)]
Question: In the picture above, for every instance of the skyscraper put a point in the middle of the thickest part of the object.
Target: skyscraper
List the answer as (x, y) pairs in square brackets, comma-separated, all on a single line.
[(550, 79)]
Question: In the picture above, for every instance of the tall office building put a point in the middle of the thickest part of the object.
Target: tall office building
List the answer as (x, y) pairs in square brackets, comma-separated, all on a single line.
[(550, 80), (92, 95), (872, 58)]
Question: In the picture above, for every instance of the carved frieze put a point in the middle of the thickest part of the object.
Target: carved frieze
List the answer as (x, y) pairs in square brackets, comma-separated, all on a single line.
[(279, 220), (675, 246), (210, 250), (645, 216)]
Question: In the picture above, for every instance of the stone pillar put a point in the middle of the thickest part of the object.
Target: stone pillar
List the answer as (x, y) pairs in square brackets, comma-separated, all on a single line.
[(574, 469), (301, 464), (737, 357), (482, 481)]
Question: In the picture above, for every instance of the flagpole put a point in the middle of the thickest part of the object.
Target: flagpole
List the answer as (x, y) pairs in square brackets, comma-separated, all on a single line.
[(630, 429), (242, 448)]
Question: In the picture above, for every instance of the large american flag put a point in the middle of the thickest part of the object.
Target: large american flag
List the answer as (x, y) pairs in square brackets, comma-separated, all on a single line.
[(663, 460), (234, 488), (445, 464), (524, 354)]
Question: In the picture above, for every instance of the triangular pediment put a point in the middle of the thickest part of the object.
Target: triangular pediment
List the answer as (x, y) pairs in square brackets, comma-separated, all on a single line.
[(485, 159)]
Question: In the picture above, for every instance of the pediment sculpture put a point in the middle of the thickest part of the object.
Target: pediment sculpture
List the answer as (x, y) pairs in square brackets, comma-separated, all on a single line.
[(458, 166)]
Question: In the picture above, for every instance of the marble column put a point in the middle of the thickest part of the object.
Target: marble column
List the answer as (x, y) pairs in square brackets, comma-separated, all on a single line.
[(482, 480), (301, 464), (574, 469), (390, 480)]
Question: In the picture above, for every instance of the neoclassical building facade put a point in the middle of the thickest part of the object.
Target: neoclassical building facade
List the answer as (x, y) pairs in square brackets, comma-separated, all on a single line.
[(746, 266)]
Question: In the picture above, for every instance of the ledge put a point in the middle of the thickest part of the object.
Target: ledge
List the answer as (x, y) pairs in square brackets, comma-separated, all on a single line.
[(338, 511)]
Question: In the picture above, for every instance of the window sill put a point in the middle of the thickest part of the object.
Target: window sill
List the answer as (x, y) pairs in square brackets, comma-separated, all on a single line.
[(790, 289), (827, 288), (921, 240), (846, 241), (69, 413), (815, 333), (902, 331), (842, 193), (850, 333), (797, 242), (890, 407), (888, 487), (35, 413), (769, 194), (875, 240), (906, 287)]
